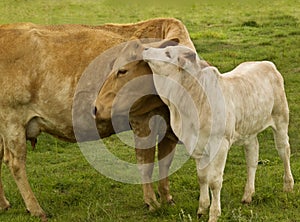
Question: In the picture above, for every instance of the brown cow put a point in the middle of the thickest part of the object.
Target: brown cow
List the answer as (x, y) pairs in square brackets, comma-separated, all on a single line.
[(40, 67)]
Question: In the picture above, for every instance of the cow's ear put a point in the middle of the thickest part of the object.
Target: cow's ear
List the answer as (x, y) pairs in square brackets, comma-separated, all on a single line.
[(169, 42), (111, 63), (133, 43)]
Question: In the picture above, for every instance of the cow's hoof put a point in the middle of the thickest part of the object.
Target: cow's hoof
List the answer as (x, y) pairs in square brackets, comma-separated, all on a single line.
[(43, 218), (4, 205), (41, 214), (171, 202), (6, 208), (153, 206)]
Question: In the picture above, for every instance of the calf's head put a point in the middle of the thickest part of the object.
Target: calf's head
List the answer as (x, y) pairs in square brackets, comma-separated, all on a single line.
[(175, 69), (172, 60)]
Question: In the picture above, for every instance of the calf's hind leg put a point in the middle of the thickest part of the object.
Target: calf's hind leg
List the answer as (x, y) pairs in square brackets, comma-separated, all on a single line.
[(280, 115), (251, 153), (283, 147)]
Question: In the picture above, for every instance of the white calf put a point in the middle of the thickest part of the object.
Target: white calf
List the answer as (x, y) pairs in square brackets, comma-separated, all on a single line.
[(211, 111)]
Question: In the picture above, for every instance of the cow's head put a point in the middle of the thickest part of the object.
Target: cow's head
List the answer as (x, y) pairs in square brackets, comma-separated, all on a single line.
[(129, 86)]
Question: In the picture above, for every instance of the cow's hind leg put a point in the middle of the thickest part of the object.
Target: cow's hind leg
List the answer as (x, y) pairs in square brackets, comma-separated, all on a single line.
[(4, 204), (283, 147), (15, 158), (166, 151), (251, 153)]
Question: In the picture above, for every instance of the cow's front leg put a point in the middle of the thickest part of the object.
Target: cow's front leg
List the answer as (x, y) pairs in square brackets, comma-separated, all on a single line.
[(166, 151), (15, 158), (145, 134), (4, 204), (145, 160)]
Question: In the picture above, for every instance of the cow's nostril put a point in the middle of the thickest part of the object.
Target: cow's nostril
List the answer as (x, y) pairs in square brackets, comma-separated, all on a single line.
[(94, 111)]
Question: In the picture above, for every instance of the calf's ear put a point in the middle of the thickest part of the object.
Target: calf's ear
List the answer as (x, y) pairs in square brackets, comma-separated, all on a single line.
[(169, 42), (183, 58), (181, 62), (190, 56)]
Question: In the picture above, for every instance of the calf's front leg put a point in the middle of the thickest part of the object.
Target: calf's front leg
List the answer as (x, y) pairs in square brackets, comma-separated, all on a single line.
[(211, 177)]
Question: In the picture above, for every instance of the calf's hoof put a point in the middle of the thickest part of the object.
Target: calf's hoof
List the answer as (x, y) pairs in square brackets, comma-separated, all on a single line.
[(199, 215), (288, 186), (201, 212), (213, 219), (247, 200)]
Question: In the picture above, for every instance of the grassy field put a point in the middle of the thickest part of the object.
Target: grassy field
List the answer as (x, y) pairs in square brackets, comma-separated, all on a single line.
[(225, 33)]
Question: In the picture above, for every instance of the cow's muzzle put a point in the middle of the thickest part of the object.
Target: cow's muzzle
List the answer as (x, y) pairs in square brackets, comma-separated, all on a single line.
[(99, 112)]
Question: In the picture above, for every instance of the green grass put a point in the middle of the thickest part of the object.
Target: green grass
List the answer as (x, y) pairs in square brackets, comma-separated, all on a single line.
[(225, 33)]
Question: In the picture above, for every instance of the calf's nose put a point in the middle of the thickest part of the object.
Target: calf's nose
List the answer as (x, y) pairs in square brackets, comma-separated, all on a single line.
[(144, 54)]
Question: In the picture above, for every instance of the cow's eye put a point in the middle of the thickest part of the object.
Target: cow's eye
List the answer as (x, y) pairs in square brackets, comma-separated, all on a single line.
[(121, 72)]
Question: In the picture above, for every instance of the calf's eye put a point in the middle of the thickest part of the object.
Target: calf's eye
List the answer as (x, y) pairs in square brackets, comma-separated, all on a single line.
[(168, 54)]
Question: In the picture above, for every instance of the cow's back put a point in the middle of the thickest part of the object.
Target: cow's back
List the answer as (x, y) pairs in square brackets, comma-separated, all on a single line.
[(159, 28), (36, 55)]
